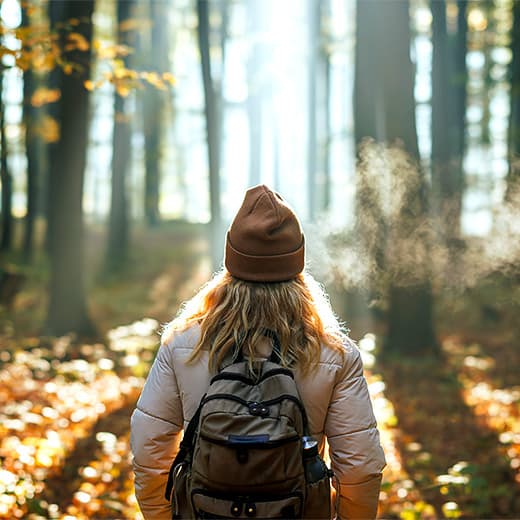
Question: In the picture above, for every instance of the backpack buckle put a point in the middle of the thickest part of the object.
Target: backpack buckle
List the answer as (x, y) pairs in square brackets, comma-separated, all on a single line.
[(250, 510), (258, 409), (236, 508)]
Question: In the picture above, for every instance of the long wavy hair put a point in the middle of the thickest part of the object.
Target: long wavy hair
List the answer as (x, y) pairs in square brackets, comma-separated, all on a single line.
[(233, 312)]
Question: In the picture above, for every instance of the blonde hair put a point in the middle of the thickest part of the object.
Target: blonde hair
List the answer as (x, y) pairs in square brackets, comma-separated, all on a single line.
[(235, 312)]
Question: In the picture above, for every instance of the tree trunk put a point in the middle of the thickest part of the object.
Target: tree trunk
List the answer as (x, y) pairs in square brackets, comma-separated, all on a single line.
[(67, 310), (313, 17), (118, 231), (32, 152), (385, 112), (57, 13), (212, 111), (448, 118), (325, 15), (154, 104), (6, 178), (255, 66), (513, 176)]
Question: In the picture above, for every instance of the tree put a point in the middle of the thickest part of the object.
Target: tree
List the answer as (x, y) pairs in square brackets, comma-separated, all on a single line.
[(57, 16), (513, 176), (318, 174), (33, 150), (312, 140), (255, 65), (6, 178), (118, 228), (385, 112), (213, 115), (67, 310), (324, 67), (153, 107), (448, 116)]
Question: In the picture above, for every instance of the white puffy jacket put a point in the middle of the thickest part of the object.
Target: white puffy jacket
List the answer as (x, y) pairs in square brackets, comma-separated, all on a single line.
[(335, 396)]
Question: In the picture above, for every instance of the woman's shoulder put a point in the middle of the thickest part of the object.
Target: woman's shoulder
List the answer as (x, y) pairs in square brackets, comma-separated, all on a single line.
[(344, 357), (184, 339)]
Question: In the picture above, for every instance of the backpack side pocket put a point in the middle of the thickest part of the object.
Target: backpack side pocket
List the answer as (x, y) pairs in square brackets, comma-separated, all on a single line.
[(317, 499)]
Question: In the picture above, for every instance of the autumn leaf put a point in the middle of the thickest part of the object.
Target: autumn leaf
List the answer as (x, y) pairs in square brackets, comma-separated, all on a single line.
[(89, 85), (122, 89), (129, 25), (169, 78), (43, 96), (76, 41), (48, 129)]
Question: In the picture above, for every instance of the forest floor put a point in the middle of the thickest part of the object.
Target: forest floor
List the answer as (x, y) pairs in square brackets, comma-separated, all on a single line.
[(450, 427)]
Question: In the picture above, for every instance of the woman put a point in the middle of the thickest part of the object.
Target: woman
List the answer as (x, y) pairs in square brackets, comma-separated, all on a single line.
[(263, 286)]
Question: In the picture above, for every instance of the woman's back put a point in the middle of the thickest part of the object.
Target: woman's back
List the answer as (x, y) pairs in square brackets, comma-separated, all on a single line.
[(263, 288)]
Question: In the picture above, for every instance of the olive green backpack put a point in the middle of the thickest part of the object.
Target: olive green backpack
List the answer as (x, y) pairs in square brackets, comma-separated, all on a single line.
[(247, 452)]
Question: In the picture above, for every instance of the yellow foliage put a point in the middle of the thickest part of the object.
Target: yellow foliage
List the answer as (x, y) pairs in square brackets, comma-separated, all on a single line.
[(120, 70), (76, 41), (122, 89), (43, 95), (130, 25), (89, 85), (48, 129), (43, 60), (110, 52), (169, 77)]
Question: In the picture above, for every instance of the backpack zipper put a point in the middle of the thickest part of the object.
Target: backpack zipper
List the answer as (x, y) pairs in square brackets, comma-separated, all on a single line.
[(230, 376), (270, 402)]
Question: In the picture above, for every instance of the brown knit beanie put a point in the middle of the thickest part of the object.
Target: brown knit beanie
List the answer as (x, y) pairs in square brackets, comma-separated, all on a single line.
[(265, 242)]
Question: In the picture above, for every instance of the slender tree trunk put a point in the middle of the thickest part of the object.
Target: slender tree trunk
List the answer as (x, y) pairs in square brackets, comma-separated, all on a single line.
[(313, 17), (441, 100), (154, 105), (255, 96), (57, 13), (513, 176), (460, 77), (67, 300), (32, 151), (325, 14), (385, 111), (118, 231), (448, 118), (212, 110), (6, 177)]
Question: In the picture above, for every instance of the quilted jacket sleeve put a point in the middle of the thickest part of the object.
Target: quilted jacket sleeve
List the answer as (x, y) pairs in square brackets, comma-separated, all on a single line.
[(356, 454), (156, 426)]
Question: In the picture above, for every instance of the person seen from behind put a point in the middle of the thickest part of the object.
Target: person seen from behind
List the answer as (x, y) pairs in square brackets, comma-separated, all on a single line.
[(264, 286)]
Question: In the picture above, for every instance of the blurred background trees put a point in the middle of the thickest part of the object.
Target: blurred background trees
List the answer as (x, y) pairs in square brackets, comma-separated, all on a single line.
[(391, 130), (129, 131)]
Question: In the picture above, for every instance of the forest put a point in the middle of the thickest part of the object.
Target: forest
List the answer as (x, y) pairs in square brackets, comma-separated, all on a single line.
[(129, 132)]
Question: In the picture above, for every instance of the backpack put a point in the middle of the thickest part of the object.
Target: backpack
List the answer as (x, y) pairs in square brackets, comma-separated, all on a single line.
[(247, 451)]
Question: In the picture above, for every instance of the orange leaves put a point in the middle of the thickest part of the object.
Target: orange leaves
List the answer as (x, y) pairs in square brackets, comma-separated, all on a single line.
[(131, 24), (41, 50), (76, 41), (48, 129), (43, 96), (48, 406)]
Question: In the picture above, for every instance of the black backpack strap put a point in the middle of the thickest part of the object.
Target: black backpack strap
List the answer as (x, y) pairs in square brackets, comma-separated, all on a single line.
[(185, 448)]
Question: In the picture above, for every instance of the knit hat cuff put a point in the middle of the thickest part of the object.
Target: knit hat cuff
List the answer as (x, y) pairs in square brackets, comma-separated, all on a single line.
[(264, 268)]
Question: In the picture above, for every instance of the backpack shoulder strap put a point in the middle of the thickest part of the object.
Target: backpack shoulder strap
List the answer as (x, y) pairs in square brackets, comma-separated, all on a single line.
[(185, 447)]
